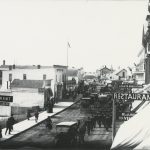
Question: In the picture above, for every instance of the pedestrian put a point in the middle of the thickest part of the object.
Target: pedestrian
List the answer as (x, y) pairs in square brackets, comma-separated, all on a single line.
[(28, 114), (92, 122), (78, 123), (50, 106), (36, 114), (103, 119), (48, 123), (110, 120), (0, 132), (88, 125), (81, 133), (99, 120), (12, 121), (8, 126), (107, 121), (47, 95)]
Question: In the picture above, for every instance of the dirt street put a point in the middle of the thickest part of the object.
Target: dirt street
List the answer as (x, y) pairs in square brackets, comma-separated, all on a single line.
[(39, 137)]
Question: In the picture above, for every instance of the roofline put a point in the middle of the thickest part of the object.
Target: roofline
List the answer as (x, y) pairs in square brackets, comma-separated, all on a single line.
[(120, 71), (104, 68), (60, 66)]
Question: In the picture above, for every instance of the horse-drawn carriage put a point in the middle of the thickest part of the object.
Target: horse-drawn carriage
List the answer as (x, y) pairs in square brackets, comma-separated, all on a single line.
[(66, 133)]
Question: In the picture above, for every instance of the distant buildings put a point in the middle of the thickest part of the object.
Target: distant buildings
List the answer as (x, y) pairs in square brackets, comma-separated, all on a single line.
[(74, 75), (103, 72), (89, 77), (119, 74), (106, 73)]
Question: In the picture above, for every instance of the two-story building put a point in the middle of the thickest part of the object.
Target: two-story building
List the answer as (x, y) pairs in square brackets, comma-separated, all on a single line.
[(30, 78)]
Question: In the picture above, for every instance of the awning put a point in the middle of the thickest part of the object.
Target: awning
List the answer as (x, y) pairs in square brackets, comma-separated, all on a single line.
[(134, 131)]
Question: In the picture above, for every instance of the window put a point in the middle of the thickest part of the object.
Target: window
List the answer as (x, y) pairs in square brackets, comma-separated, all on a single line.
[(10, 77), (123, 74), (148, 48), (24, 76), (44, 76), (64, 78), (0, 77)]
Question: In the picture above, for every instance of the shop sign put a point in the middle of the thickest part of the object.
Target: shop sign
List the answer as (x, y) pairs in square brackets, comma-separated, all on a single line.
[(130, 86), (4, 103), (4, 98), (131, 96)]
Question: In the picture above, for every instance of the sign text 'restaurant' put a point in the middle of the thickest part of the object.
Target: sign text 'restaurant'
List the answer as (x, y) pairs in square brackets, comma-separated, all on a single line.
[(131, 96)]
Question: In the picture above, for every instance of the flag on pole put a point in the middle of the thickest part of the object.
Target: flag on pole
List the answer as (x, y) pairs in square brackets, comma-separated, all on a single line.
[(144, 39), (69, 45), (141, 51), (130, 69)]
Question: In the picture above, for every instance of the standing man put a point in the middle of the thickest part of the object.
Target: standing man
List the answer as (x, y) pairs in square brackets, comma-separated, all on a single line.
[(36, 114), (12, 121), (99, 120), (28, 114), (48, 104), (48, 123), (0, 132), (88, 125), (8, 126)]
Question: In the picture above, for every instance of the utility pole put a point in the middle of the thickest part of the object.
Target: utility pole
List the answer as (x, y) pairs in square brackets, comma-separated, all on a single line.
[(68, 46), (146, 45), (67, 54), (113, 120)]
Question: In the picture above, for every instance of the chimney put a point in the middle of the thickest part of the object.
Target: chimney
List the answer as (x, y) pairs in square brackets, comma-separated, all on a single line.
[(10, 67), (38, 66), (4, 62), (14, 66)]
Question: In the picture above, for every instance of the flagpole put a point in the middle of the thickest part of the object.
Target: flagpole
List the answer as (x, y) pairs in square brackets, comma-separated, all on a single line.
[(68, 45), (67, 53)]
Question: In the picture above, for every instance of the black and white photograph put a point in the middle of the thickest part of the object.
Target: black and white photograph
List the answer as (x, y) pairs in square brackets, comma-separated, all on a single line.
[(75, 74)]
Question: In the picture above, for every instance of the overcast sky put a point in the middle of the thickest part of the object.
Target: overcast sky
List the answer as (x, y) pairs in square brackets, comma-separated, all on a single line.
[(99, 32)]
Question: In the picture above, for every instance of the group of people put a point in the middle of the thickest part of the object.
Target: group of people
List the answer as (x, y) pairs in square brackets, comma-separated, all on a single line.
[(99, 119), (48, 121), (87, 125), (90, 123)]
